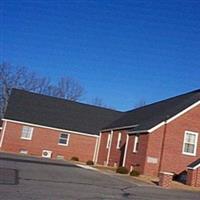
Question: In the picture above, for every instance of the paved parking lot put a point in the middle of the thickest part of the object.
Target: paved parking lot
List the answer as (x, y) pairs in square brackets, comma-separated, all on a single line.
[(63, 180)]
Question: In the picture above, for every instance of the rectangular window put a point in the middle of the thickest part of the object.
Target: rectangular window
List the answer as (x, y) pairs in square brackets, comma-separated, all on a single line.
[(27, 133), (190, 143), (108, 141), (136, 144), (64, 139), (119, 140)]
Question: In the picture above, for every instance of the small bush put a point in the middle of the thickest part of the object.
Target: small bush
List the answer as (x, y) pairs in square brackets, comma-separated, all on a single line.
[(122, 170), (134, 173), (89, 162), (74, 158)]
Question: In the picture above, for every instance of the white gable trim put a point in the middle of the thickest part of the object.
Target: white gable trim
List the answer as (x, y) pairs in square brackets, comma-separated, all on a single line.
[(156, 127), (167, 121), (195, 167), (56, 129), (174, 117)]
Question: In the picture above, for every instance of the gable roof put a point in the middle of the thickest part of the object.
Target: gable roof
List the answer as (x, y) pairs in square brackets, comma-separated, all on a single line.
[(58, 113), (151, 115)]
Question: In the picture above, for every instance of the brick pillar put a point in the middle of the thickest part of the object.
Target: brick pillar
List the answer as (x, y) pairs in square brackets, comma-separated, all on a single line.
[(193, 177), (165, 179)]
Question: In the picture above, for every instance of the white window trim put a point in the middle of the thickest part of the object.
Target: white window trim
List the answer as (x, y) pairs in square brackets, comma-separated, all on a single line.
[(136, 139), (119, 140), (31, 135), (195, 145), (67, 139), (108, 141)]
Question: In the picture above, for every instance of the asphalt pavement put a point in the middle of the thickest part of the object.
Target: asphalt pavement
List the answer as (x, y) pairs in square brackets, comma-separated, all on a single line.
[(34, 178)]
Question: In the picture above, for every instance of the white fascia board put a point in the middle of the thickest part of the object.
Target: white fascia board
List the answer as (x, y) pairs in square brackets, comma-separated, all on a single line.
[(195, 167), (184, 111), (167, 121), (56, 129), (174, 117), (137, 132), (119, 128), (157, 126)]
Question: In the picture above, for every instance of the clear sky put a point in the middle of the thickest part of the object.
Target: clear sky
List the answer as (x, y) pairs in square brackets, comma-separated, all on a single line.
[(120, 51)]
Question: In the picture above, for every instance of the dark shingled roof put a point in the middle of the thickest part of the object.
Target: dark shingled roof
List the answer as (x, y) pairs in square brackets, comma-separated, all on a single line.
[(194, 164), (58, 113), (149, 116)]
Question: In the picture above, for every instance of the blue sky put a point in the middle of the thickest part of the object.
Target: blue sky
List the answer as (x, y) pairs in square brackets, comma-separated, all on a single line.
[(120, 51)]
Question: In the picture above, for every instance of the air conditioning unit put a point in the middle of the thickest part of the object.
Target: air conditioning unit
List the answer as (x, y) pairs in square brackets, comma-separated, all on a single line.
[(46, 154)]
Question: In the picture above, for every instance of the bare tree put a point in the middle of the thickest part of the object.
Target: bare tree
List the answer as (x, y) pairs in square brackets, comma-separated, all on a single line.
[(98, 102), (68, 88), (21, 78)]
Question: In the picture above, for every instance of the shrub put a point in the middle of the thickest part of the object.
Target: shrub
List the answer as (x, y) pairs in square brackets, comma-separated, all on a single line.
[(122, 170), (89, 162), (74, 158), (134, 173)]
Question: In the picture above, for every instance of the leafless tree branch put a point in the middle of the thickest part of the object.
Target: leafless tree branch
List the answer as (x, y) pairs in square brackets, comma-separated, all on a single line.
[(21, 78)]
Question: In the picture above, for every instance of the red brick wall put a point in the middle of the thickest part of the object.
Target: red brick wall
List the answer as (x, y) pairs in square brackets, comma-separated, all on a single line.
[(153, 152), (193, 177), (173, 159), (137, 159), (116, 155), (47, 139), (165, 179), (150, 146), (103, 151)]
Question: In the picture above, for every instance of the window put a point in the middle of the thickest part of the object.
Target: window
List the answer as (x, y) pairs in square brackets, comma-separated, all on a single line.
[(27, 133), (64, 139), (119, 140), (136, 144), (190, 143), (108, 141)]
